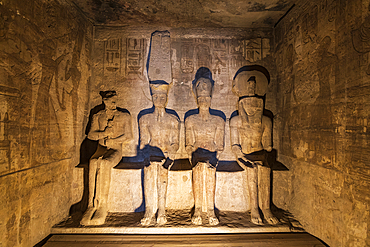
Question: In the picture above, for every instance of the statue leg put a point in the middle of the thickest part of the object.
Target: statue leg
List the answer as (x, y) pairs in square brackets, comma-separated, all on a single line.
[(210, 193), (162, 190), (150, 183), (264, 189), (252, 176), (197, 183), (91, 207), (110, 159)]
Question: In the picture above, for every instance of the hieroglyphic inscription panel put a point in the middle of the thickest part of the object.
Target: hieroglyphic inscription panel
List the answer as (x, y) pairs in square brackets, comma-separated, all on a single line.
[(112, 55), (135, 57)]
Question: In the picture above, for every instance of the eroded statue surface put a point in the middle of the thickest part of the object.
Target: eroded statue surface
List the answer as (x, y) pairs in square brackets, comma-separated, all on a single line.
[(204, 142), (251, 139), (159, 140), (112, 128)]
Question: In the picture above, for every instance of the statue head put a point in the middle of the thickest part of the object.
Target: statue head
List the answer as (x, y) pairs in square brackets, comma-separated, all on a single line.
[(202, 89), (159, 94), (109, 99), (251, 81), (252, 106)]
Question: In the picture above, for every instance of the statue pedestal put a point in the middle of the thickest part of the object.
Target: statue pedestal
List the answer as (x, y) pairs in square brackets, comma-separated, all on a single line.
[(126, 192), (179, 222)]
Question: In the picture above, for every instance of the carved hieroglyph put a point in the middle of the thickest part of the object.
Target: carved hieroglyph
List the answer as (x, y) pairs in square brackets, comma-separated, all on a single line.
[(111, 128), (250, 139), (159, 131), (204, 142)]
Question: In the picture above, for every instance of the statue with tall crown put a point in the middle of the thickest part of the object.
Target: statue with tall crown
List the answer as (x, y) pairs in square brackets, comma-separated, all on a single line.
[(159, 138), (204, 134), (251, 139), (159, 132)]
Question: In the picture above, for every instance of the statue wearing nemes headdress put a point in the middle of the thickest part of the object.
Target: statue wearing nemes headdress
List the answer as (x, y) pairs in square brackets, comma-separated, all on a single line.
[(251, 140)]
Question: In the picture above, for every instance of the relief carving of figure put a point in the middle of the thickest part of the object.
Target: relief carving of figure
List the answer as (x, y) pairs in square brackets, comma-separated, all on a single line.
[(251, 139), (204, 142), (159, 139), (112, 128)]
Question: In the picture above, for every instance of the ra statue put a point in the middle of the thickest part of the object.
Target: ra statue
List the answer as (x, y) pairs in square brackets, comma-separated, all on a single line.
[(204, 134), (159, 140), (251, 141), (112, 128)]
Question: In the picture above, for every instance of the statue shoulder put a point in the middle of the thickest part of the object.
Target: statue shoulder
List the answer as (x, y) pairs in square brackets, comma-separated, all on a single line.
[(98, 114), (191, 118), (173, 118), (146, 118), (218, 119), (266, 121), (235, 121), (123, 115)]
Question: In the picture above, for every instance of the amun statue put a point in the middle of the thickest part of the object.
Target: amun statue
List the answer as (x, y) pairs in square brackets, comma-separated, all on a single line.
[(159, 140)]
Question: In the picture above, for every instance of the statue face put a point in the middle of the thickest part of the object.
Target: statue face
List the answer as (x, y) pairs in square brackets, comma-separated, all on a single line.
[(159, 100), (204, 102), (252, 106), (110, 103), (203, 87)]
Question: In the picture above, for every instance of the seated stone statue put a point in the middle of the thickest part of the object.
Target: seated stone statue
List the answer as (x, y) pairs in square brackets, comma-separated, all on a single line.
[(204, 142), (111, 128), (251, 139), (159, 139)]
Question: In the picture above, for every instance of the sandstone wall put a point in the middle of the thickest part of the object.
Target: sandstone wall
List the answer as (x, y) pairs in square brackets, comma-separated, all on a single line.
[(323, 87), (45, 72)]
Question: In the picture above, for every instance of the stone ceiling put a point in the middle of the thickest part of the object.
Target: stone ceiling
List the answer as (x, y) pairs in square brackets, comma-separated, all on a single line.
[(186, 13)]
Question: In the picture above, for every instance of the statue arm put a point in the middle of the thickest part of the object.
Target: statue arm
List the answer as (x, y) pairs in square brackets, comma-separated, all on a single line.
[(220, 136), (175, 137), (144, 133), (234, 138), (95, 134), (126, 130), (189, 138), (235, 141), (267, 134)]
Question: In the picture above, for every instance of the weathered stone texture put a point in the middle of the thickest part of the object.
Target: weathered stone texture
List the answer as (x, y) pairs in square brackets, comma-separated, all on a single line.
[(44, 77), (322, 119)]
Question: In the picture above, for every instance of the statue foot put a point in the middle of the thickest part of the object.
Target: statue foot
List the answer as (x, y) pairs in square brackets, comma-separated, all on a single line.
[(86, 218), (256, 218), (161, 220), (148, 219), (269, 217), (213, 221), (99, 216), (197, 219)]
